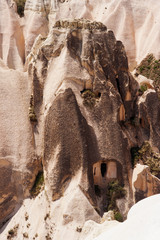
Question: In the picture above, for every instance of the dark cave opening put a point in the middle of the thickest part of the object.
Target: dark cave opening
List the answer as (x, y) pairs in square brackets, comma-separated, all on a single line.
[(118, 86), (103, 169)]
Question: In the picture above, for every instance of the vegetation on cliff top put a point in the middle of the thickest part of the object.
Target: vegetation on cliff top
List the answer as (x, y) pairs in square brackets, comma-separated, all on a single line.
[(150, 68), (149, 157)]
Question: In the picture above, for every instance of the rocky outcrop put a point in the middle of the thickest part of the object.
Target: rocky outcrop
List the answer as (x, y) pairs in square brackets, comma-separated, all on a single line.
[(40, 16), (137, 226), (18, 161), (144, 183), (11, 36), (78, 112), (81, 135), (123, 17), (36, 22), (148, 105)]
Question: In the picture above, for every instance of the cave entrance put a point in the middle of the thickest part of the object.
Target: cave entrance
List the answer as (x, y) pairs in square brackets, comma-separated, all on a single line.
[(103, 169)]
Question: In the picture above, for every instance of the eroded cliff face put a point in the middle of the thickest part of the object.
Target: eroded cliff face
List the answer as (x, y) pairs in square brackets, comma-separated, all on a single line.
[(18, 161), (80, 134), (11, 36), (74, 115), (133, 22)]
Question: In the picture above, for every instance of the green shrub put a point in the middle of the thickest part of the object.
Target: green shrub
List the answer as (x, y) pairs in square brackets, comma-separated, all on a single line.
[(149, 157), (150, 68), (38, 185), (143, 88), (141, 69), (118, 216), (89, 98), (20, 7), (114, 191)]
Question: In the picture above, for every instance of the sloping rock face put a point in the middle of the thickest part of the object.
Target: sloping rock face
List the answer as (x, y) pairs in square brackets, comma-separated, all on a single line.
[(131, 21), (18, 161), (11, 36), (84, 69), (74, 115), (36, 22), (137, 226), (144, 183)]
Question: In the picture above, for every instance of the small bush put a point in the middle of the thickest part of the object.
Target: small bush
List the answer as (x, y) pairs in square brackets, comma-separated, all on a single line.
[(13, 232), (25, 235), (90, 98), (48, 237), (38, 185), (32, 115), (134, 155), (118, 216), (47, 216), (150, 68), (147, 156), (20, 7), (114, 191), (26, 216), (143, 88)]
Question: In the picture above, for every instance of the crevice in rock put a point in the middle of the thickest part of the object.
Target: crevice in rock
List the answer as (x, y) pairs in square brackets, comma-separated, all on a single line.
[(118, 85), (38, 185)]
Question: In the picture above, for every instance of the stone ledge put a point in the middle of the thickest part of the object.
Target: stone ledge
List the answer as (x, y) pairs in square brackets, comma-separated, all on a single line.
[(80, 24)]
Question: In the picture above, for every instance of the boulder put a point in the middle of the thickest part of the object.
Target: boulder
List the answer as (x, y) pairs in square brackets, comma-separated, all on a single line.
[(144, 183)]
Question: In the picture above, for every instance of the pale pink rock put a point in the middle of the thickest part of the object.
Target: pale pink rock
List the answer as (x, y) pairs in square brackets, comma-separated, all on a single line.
[(11, 36)]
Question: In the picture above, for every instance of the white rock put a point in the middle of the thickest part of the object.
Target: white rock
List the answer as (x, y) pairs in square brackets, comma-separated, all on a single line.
[(142, 223)]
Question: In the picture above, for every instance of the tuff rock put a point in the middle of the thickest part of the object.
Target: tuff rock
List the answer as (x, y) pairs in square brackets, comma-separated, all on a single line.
[(73, 115)]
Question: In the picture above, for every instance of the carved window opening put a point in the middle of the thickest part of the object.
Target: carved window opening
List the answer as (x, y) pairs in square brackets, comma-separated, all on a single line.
[(103, 169)]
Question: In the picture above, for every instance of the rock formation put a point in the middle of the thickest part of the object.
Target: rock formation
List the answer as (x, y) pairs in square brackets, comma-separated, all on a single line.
[(134, 23), (139, 224), (144, 183), (69, 123), (18, 161), (11, 36)]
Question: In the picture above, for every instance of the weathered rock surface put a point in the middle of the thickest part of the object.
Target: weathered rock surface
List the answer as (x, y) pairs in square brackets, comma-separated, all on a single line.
[(12, 45), (18, 160), (131, 21), (148, 105), (99, 63), (144, 183), (142, 222), (63, 218), (123, 17), (73, 113)]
